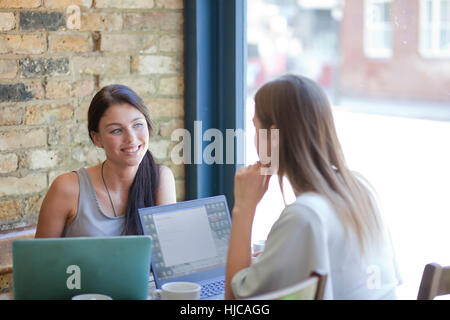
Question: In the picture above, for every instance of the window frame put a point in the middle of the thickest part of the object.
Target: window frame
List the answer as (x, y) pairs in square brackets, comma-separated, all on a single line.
[(215, 74)]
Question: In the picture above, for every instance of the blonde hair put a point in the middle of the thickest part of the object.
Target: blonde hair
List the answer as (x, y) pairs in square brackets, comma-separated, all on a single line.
[(311, 156)]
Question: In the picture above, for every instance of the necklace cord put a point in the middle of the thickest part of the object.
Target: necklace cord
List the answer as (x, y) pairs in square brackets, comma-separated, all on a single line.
[(107, 191)]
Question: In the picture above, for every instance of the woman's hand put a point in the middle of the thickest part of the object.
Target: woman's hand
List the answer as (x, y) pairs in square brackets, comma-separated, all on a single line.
[(249, 188), (250, 185)]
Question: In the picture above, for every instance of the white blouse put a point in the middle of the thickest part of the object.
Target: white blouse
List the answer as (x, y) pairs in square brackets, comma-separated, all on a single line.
[(308, 236)]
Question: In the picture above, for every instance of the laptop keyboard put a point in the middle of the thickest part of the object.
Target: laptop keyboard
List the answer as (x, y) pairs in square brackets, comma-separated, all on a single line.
[(212, 289)]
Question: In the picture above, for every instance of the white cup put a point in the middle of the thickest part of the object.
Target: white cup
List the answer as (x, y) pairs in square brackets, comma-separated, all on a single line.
[(91, 296), (177, 291)]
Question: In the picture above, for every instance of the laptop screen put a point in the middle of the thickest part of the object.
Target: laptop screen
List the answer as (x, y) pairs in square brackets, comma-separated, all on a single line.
[(188, 237), (60, 268)]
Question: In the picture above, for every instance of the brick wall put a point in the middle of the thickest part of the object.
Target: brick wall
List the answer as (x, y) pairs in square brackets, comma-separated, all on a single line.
[(49, 71)]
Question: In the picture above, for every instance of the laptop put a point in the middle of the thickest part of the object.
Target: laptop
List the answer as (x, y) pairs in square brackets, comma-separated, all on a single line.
[(60, 268), (190, 243)]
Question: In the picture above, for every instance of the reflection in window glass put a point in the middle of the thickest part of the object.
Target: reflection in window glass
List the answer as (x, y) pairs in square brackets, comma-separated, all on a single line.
[(428, 11), (445, 30), (392, 115), (378, 29), (445, 11), (445, 40), (435, 28)]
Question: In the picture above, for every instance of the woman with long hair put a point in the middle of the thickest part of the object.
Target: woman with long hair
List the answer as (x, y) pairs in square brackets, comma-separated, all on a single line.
[(103, 200), (334, 225)]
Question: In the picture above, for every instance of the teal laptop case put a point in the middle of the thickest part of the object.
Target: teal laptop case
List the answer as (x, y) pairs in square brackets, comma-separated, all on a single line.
[(60, 268)]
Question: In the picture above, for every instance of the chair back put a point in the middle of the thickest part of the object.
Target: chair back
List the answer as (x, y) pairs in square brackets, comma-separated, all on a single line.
[(435, 282), (311, 288)]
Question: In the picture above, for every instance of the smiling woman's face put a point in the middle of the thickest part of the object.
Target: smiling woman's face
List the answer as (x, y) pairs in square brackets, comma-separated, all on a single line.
[(123, 133)]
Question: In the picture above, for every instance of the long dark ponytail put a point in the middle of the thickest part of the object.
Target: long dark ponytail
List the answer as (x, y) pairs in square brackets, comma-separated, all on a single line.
[(143, 189), (142, 193)]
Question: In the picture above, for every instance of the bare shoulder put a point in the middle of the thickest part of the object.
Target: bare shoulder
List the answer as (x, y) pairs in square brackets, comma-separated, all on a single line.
[(165, 172), (166, 190), (66, 183), (59, 206), (65, 190)]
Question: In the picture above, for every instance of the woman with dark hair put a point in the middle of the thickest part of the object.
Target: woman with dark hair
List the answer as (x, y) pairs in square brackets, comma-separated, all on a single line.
[(103, 200), (333, 226)]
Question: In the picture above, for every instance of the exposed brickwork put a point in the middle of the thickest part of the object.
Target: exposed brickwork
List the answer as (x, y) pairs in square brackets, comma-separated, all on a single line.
[(49, 72), (22, 43), (31, 68), (101, 21), (33, 20), (154, 21), (10, 209), (10, 115), (26, 4), (169, 4), (15, 92), (7, 21), (19, 139), (8, 163), (8, 69), (63, 4), (70, 43)]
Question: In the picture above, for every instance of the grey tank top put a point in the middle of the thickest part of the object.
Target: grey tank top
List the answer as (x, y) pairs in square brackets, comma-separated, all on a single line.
[(90, 220)]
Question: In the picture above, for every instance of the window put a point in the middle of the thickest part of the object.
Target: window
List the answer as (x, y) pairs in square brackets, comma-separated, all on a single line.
[(391, 126), (435, 28), (377, 29)]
